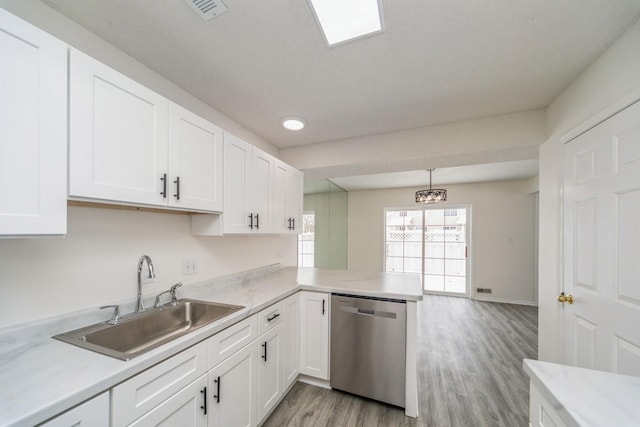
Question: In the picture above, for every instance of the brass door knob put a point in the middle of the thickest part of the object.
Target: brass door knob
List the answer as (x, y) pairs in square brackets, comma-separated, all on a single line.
[(565, 298)]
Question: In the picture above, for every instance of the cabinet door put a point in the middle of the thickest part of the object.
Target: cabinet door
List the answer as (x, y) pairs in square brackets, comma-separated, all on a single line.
[(291, 340), (237, 161), (261, 191), (92, 413), (314, 334), (33, 130), (195, 162), (280, 180), (118, 136), (187, 408), (269, 371), (295, 188), (140, 394), (233, 390)]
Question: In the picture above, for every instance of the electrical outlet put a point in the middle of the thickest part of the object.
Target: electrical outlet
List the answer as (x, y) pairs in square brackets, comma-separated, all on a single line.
[(189, 266)]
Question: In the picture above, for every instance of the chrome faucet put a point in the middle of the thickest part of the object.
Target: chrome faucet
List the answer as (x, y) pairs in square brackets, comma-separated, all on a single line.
[(172, 292), (143, 258)]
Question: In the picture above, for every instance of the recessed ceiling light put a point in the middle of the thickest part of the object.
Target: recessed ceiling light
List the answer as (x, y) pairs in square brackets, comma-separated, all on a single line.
[(293, 123), (342, 20)]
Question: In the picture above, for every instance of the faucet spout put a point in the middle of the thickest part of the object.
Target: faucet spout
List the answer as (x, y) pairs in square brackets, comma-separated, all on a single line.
[(141, 261)]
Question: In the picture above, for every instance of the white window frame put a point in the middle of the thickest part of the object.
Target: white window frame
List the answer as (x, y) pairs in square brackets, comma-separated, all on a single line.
[(469, 239)]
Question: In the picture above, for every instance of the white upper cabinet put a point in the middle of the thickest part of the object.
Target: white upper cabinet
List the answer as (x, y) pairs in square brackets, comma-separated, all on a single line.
[(261, 192), (33, 130), (195, 161), (287, 200), (131, 145), (248, 192), (237, 176), (118, 136)]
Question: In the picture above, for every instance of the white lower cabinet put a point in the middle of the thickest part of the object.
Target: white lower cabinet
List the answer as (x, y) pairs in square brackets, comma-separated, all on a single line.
[(269, 371), (233, 390), (541, 412), (314, 334), (92, 413), (291, 340), (187, 408), (143, 394)]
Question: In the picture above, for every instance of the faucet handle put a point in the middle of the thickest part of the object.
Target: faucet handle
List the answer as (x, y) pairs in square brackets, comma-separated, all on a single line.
[(116, 313), (172, 291)]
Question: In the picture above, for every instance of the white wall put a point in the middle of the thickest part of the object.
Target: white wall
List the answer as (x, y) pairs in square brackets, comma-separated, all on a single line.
[(96, 262), (502, 234), (609, 84)]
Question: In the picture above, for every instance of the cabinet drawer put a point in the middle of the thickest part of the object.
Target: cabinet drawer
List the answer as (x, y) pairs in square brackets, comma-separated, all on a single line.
[(270, 317), (94, 412), (138, 395), (225, 343)]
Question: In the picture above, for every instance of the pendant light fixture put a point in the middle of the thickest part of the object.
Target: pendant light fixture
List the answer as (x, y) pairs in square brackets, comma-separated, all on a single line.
[(432, 195)]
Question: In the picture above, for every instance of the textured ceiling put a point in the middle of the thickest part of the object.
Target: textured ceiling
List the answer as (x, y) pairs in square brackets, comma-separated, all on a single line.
[(437, 61)]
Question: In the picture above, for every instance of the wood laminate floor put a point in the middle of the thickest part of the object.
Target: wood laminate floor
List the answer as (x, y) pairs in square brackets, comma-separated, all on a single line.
[(469, 373)]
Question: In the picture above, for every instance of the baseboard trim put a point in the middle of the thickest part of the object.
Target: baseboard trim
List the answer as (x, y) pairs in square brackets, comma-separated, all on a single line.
[(504, 301), (314, 381)]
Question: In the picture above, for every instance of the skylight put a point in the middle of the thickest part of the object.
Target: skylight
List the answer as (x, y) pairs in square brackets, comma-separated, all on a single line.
[(342, 20)]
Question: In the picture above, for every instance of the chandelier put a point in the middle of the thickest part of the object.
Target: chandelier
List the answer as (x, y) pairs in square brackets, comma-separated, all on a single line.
[(432, 195)]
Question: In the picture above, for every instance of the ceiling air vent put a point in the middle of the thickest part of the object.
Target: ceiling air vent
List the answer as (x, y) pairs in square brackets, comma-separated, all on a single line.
[(207, 9)]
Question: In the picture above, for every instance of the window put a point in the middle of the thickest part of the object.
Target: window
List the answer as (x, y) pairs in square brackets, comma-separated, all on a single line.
[(306, 240), (431, 242)]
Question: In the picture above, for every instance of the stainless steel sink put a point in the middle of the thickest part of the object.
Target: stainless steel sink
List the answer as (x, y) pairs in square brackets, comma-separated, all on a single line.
[(140, 333)]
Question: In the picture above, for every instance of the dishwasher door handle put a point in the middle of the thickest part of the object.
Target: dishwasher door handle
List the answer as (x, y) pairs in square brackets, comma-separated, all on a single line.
[(367, 312)]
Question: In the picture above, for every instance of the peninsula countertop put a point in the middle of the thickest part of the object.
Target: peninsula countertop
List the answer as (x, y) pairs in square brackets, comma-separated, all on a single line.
[(41, 377), (586, 397)]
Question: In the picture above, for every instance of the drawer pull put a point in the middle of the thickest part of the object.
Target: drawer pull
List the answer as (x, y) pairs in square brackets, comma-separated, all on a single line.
[(217, 395), (275, 316), (204, 407)]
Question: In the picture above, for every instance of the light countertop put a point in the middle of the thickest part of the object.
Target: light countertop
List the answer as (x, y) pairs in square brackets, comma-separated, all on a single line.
[(41, 377), (586, 397)]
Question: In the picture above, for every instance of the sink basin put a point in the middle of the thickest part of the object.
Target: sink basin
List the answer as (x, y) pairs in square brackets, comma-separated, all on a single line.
[(140, 333)]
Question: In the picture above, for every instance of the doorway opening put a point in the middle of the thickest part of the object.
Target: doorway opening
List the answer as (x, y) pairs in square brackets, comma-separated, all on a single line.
[(432, 242)]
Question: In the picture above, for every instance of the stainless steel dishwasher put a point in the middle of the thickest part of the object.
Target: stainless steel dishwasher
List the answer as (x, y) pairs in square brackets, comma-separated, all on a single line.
[(368, 346)]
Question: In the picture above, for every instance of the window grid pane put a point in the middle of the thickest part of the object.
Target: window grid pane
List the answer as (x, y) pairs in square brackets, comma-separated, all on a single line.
[(436, 250), (306, 241)]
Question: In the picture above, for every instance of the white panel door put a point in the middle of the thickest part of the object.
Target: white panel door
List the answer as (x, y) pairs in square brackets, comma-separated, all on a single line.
[(33, 131), (261, 191), (269, 371), (314, 334), (118, 136), (602, 243), (233, 390), (195, 162), (291, 340), (237, 163)]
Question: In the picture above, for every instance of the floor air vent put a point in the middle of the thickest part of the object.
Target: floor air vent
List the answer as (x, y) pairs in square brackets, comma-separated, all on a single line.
[(483, 290), (207, 9)]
